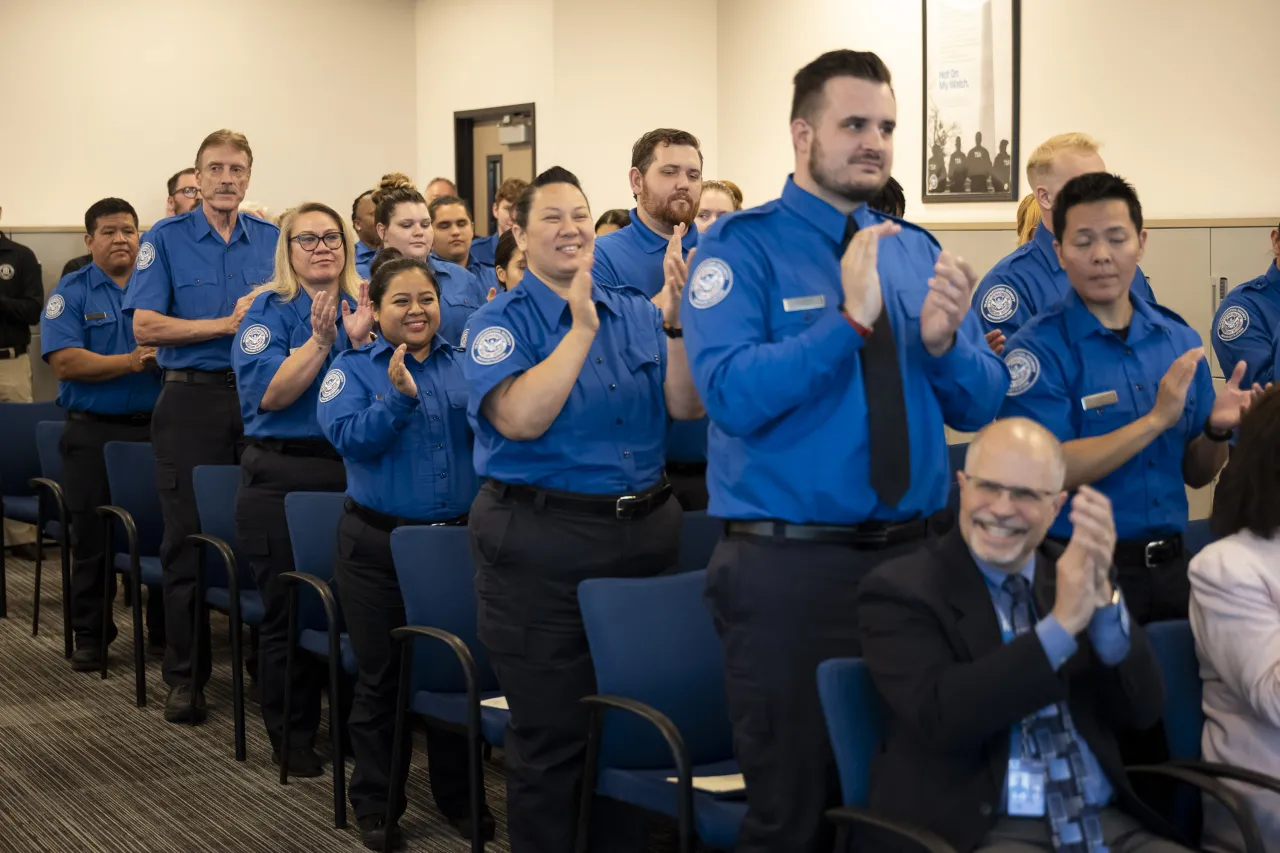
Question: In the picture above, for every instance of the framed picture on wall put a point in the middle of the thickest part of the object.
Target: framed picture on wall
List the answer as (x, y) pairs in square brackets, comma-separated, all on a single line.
[(971, 59)]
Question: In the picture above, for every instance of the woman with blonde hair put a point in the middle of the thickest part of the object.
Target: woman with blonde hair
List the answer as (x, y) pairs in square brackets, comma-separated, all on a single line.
[(315, 308), (1028, 218), (718, 198)]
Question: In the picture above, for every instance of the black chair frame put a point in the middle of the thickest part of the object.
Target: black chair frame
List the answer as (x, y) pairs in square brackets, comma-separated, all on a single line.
[(63, 540), (1230, 800), (134, 579), (227, 556)]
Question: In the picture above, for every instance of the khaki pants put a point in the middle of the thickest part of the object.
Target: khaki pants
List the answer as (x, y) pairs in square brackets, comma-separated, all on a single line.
[(15, 387)]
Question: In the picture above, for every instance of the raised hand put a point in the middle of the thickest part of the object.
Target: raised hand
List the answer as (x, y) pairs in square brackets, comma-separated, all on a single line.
[(944, 309), (324, 315), (243, 304), (1171, 398), (675, 272), (1233, 401), (401, 378), (1082, 585), (493, 294), (996, 340), (359, 323), (582, 303), (859, 276), (141, 358)]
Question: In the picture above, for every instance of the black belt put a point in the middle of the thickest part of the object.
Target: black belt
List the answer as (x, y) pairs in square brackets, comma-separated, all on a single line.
[(1140, 552), (686, 468), (388, 523), (226, 378), (614, 506), (870, 535), (134, 419), (308, 448), (12, 352)]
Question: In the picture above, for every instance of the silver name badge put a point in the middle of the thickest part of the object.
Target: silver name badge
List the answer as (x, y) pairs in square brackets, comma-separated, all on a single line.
[(804, 303), (1097, 401), (292, 350)]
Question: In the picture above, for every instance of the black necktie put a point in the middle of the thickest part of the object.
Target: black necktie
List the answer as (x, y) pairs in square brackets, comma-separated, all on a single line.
[(888, 438)]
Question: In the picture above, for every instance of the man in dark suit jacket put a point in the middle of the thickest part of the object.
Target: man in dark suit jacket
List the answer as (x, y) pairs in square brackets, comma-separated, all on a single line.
[(1000, 732)]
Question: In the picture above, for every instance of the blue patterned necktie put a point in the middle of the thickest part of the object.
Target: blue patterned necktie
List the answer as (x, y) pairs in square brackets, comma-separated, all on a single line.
[(1049, 737)]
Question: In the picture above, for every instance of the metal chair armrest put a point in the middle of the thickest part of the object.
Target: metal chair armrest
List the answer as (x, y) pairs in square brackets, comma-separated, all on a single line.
[(1230, 800), (924, 838)]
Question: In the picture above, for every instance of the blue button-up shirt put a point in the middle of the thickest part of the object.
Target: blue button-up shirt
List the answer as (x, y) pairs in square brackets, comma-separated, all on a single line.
[(778, 367), (1028, 282), (483, 249), (270, 332), (85, 312), (1247, 328), (1065, 355), (632, 256), (405, 456), (460, 297), (185, 270), (364, 259), (609, 437), (1109, 636)]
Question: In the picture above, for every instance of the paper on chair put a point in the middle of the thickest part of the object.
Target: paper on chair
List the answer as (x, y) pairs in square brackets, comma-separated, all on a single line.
[(732, 783), (499, 702)]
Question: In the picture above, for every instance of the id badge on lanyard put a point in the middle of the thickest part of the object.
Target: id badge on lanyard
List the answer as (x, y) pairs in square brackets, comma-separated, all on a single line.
[(1026, 779)]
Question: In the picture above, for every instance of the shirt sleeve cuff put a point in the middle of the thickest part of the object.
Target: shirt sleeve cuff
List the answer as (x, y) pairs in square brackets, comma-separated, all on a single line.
[(400, 404), (1058, 645), (1109, 633)]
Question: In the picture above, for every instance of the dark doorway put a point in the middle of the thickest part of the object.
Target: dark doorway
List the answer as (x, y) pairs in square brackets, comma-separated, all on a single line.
[(491, 145)]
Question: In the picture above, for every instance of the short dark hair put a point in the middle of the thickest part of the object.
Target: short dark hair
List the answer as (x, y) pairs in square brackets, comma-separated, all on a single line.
[(811, 80), (1248, 494), (388, 264), (644, 152), (554, 175), (107, 207), (441, 201), (355, 205), (617, 216), (173, 181), (505, 250), (891, 199), (1095, 186)]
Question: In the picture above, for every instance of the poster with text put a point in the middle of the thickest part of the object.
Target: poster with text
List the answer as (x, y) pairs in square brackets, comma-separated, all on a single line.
[(970, 100)]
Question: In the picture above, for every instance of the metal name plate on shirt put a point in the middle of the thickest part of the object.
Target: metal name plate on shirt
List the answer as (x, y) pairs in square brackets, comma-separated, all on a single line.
[(1097, 401), (804, 303)]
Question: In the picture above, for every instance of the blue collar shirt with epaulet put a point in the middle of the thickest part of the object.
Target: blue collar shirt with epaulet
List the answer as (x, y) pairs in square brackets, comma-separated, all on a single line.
[(364, 259), (1246, 328), (460, 297), (632, 256)]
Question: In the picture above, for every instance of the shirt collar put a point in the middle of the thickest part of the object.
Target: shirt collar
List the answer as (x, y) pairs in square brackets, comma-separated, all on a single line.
[(1273, 275), (995, 577), (364, 251), (820, 214), (651, 241), (1081, 323), (381, 345), (98, 276), (200, 222), (1043, 241), (552, 306)]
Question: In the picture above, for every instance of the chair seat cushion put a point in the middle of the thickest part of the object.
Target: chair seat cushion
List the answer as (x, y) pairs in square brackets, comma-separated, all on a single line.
[(452, 708), (715, 819), (22, 508), (152, 573), (317, 642), (251, 609)]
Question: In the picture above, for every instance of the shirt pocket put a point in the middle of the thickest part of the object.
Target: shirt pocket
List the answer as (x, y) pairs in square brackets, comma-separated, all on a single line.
[(1109, 418), (100, 329), (254, 276), (197, 293)]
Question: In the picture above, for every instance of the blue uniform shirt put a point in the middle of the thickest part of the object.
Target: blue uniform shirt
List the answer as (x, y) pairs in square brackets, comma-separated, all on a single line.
[(1064, 356), (185, 270), (609, 437), (483, 249), (405, 456), (632, 256), (364, 259), (84, 312), (778, 369), (1030, 281), (460, 297), (1247, 328), (269, 334)]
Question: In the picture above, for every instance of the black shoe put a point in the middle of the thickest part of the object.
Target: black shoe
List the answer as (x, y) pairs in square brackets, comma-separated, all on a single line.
[(24, 552), (303, 762), (177, 708), (374, 832), (86, 659), (463, 825)]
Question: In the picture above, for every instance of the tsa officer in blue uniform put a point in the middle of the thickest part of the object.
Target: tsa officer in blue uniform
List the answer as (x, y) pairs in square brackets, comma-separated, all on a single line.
[(571, 385), (108, 386), (1031, 279), (403, 221), (453, 231), (1247, 325), (1125, 386), (366, 228), (396, 411), (484, 249), (290, 335), (193, 284), (830, 344)]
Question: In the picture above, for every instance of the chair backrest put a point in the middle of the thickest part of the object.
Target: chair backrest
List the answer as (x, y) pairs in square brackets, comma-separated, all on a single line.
[(653, 640), (698, 538), (955, 457), (1175, 649), (437, 582), (19, 453), (48, 439), (131, 477), (852, 710), (1198, 535), (216, 487), (313, 532)]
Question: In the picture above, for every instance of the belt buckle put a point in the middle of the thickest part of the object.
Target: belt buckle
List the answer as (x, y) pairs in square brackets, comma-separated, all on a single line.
[(624, 507), (231, 379), (1147, 552)]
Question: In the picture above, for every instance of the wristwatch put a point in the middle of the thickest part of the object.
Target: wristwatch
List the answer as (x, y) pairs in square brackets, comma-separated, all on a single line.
[(673, 331), (1213, 435)]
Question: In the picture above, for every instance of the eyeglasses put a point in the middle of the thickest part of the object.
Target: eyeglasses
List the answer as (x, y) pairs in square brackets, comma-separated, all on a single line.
[(1018, 495), (189, 192), (308, 241)]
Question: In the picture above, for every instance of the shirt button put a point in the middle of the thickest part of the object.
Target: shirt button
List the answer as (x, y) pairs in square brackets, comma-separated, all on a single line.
[(428, 393), (434, 418), (230, 276), (1151, 463), (443, 475), (599, 360), (439, 447), (626, 454), (1156, 502), (1139, 387), (1128, 351), (613, 386), (619, 421)]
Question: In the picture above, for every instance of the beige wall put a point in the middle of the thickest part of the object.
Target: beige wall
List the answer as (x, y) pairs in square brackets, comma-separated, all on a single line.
[(110, 99)]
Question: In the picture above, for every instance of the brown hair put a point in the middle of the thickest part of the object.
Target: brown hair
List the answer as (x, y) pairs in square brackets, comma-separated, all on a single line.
[(1248, 495), (394, 189), (222, 137), (510, 191), (642, 153), (729, 188)]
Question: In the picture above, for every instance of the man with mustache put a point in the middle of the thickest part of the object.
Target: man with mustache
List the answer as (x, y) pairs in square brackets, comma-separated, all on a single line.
[(192, 285), (814, 324)]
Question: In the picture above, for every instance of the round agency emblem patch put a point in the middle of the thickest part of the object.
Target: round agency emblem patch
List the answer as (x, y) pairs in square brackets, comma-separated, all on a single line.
[(1024, 370)]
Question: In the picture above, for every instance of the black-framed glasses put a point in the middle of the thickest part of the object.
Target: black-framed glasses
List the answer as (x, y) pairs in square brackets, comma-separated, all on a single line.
[(1018, 495), (308, 241), (189, 192)]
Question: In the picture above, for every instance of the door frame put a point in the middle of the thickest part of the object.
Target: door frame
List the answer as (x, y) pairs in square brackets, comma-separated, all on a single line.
[(464, 122)]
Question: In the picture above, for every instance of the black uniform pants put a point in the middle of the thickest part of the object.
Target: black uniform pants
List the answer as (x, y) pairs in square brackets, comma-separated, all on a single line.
[(373, 608), (266, 477), (781, 607), (84, 484), (1155, 593), (529, 563), (192, 425), (689, 484)]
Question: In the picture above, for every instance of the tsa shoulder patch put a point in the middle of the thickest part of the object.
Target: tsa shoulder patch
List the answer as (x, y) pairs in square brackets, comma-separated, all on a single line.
[(146, 255), (1233, 323), (255, 339), (334, 381), (999, 304), (6, 271), (711, 283), (492, 345), (1024, 370), (55, 307)]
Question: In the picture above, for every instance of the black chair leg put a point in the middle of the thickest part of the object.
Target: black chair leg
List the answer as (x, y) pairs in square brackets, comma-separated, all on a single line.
[(106, 613), (134, 582), (396, 792), (842, 839), (237, 678), (335, 731), (287, 719), (35, 602), (4, 592), (65, 548), (201, 616)]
